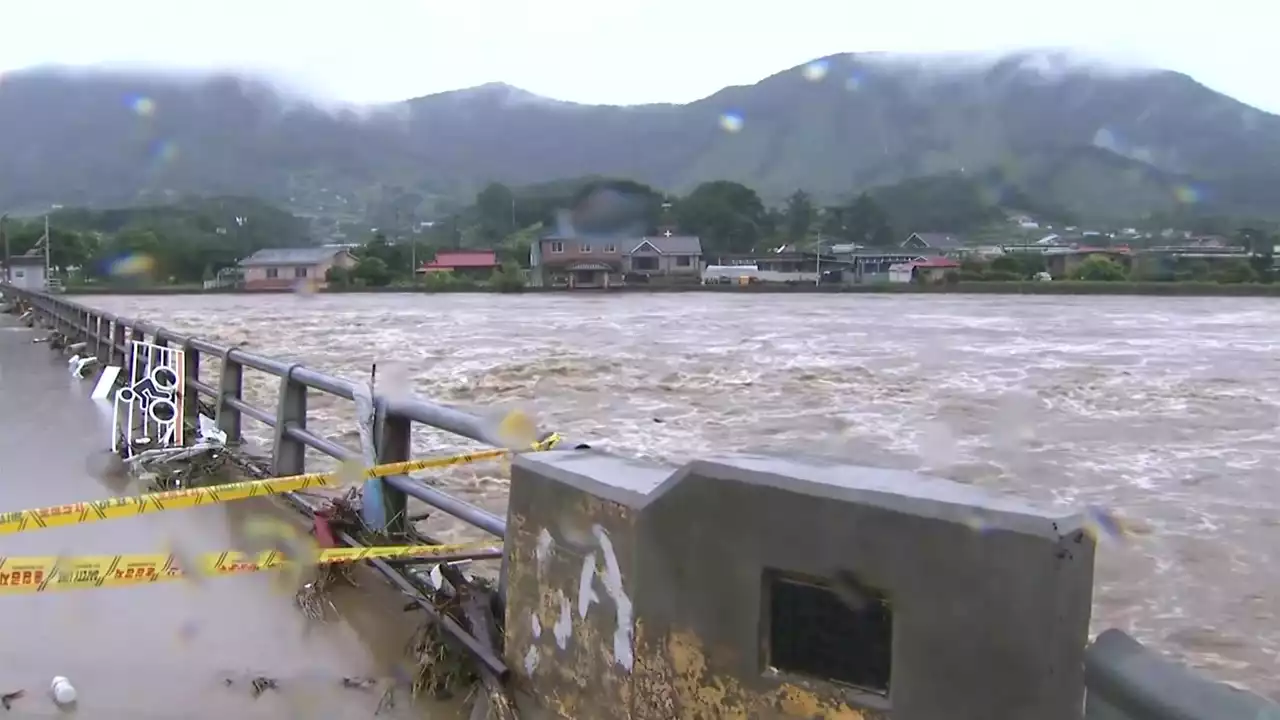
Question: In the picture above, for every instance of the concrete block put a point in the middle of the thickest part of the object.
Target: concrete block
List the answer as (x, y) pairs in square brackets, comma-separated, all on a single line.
[(755, 587)]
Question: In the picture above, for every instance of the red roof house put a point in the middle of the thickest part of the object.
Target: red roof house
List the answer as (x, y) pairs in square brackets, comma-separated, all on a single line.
[(936, 263), (469, 260)]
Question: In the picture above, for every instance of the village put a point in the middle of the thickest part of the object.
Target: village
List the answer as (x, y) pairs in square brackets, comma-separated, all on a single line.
[(668, 258), (921, 257)]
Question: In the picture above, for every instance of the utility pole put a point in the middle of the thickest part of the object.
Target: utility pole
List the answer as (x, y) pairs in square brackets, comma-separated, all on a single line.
[(4, 235), (47, 276)]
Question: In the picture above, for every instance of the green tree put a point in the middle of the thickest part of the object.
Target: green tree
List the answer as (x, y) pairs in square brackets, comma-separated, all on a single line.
[(507, 278), (866, 223), (1234, 271), (1099, 268), (372, 271), (338, 276), (496, 207), (396, 258), (798, 216), (728, 216)]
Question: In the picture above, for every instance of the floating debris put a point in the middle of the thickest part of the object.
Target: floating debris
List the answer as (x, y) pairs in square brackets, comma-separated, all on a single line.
[(262, 683), (8, 698), (359, 683), (62, 690)]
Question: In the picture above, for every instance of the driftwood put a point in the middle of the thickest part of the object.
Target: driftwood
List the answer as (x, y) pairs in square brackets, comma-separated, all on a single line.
[(496, 703)]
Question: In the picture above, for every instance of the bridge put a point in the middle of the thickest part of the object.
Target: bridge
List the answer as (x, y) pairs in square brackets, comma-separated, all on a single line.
[(733, 587)]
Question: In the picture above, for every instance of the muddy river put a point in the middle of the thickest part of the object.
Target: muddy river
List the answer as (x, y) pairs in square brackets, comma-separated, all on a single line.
[(1163, 410)]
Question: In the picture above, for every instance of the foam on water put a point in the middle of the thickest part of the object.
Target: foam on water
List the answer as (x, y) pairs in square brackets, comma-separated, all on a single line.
[(1162, 411)]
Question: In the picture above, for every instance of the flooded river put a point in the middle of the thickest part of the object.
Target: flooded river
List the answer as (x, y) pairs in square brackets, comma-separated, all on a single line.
[(1161, 409)]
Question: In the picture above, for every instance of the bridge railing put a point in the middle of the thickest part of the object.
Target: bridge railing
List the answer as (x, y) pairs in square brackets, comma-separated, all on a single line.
[(738, 574), (108, 335)]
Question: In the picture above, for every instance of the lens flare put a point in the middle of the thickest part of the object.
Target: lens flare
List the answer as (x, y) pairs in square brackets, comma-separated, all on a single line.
[(131, 265)]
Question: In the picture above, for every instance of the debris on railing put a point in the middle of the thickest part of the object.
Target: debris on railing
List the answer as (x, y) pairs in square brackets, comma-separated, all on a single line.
[(174, 468), (458, 646), (79, 364), (442, 669)]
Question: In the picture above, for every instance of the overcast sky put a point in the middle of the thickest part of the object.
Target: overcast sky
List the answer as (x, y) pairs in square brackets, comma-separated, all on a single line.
[(620, 52)]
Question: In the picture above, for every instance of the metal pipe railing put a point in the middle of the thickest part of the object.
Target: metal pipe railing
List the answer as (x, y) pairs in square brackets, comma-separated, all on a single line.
[(110, 334)]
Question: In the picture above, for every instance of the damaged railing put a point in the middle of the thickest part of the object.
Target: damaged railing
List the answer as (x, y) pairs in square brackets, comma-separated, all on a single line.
[(107, 337)]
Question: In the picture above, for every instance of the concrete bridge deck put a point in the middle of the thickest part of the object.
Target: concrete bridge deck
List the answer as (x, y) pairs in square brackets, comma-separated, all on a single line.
[(167, 650)]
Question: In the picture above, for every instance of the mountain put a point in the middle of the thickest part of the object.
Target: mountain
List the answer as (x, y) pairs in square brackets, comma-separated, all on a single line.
[(1098, 140)]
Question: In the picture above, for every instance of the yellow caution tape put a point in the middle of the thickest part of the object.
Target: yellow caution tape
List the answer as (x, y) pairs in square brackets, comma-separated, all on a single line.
[(111, 508), (19, 575)]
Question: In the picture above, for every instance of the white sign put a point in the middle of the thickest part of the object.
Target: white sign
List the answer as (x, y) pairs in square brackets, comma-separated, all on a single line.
[(148, 410)]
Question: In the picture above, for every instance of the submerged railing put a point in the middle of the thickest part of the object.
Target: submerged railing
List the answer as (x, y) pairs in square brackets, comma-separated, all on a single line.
[(632, 536)]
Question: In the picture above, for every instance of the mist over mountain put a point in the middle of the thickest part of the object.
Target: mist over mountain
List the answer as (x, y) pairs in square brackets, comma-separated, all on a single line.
[(1101, 139)]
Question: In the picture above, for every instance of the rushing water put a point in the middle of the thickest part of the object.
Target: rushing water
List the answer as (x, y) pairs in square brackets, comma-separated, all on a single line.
[(1161, 409)]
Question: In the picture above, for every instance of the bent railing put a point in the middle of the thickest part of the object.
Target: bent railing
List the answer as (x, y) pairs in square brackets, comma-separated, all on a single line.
[(600, 548)]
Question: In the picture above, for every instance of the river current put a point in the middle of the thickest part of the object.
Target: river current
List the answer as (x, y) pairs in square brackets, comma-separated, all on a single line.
[(1162, 410)]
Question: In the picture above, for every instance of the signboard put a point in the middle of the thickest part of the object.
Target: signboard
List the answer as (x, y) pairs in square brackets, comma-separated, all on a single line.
[(148, 409)]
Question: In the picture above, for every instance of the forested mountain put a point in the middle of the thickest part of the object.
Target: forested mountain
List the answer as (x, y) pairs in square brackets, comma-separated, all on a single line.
[(1097, 141)]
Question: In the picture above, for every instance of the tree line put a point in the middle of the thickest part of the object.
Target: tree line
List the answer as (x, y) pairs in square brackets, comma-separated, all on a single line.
[(193, 239), (183, 242)]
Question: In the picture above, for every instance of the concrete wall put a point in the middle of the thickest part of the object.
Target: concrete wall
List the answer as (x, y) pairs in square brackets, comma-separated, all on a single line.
[(647, 592)]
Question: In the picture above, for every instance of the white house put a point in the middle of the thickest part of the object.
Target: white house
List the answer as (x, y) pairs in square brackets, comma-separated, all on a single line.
[(27, 272)]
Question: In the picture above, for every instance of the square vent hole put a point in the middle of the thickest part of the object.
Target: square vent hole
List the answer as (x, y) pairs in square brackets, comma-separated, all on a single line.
[(839, 630)]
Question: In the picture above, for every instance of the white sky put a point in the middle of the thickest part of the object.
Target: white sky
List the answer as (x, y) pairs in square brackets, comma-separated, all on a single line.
[(621, 52)]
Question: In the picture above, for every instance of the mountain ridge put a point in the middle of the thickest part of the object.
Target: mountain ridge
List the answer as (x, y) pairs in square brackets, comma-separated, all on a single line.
[(1102, 140)]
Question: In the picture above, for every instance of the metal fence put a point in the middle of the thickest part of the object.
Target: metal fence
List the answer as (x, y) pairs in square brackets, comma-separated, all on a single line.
[(108, 336)]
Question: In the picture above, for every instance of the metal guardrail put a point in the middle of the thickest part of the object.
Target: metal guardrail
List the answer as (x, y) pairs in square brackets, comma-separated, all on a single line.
[(109, 335), (1127, 681)]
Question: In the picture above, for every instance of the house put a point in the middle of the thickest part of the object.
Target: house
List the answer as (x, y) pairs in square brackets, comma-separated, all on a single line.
[(605, 261), (869, 266), (285, 268), (475, 264), (28, 271), (787, 266), (577, 262), (933, 243), (666, 254), (923, 270)]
